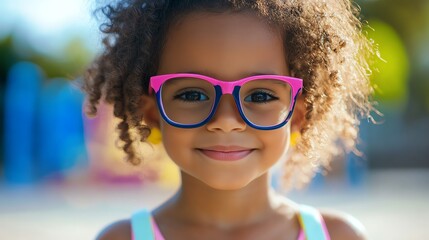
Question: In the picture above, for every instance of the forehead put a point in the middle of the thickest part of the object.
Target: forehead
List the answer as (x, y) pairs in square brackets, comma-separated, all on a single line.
[(223, 45)]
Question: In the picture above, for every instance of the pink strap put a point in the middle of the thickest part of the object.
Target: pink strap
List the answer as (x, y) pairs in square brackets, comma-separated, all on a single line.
[(325, 229), (301, 235), (158, 235)]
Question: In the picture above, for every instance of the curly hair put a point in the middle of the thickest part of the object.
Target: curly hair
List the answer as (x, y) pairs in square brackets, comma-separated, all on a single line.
[(330, 52)]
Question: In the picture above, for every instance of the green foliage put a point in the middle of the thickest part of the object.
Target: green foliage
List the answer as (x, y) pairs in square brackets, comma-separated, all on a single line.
[(74, 58), (7, 56), (391, 75)]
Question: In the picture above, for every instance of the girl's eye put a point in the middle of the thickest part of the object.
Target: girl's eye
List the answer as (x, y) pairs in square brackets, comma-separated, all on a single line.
[(260, 97), (191, 96)]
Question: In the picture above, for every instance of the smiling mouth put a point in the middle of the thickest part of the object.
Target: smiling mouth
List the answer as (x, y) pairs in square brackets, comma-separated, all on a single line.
[(226, 155)]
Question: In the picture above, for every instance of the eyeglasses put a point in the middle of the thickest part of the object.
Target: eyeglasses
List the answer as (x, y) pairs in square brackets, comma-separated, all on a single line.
[(265, 102)]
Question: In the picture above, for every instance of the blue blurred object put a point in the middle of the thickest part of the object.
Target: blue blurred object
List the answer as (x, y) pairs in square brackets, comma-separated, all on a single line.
[(21, 94), (43, 133), (70, 120), (357, 166), (318, 181), (60, 128)]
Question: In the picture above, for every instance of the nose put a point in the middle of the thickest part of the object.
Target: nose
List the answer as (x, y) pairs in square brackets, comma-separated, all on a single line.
[(226, 118)]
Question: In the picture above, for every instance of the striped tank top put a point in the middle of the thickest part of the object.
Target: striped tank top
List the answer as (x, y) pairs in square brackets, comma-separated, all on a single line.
[(313, 226)]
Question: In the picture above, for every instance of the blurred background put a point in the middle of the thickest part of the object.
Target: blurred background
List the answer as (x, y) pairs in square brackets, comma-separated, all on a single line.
[(61, 175)]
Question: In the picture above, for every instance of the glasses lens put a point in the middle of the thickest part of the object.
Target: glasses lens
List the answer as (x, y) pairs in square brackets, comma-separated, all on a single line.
[(266, 102), (187, 100)]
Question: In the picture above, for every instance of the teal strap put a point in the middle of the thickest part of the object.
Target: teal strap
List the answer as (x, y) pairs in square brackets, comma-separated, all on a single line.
[(142, 226), (311, 222)]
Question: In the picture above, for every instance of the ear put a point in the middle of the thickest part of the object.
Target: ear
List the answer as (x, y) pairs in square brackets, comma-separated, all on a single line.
[(150, 111), (298, 117)]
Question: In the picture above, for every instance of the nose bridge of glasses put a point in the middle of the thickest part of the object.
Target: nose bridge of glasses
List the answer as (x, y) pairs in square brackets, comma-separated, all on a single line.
[(227, 87)]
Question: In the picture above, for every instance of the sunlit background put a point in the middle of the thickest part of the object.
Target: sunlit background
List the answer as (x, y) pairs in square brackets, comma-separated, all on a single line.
[(62, 177)]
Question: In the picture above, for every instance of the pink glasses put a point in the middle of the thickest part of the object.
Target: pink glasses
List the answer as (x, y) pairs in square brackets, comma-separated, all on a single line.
[(188, 100)]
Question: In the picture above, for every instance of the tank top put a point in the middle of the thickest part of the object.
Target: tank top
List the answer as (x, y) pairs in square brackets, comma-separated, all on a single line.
[(313, 226)]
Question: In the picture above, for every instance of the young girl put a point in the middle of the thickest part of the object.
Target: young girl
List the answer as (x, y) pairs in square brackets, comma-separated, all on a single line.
[(220, 79)]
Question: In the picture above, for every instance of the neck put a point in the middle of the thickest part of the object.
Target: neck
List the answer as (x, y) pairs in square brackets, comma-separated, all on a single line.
[(201, 204)]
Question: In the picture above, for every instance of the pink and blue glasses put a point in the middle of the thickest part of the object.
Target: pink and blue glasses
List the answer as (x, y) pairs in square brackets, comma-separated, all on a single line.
[(187, 100)]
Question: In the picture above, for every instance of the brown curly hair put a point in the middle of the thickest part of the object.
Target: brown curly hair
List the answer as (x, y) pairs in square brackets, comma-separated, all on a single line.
[(330, 52)]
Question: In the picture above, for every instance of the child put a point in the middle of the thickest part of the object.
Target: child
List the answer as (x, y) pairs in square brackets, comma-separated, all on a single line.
[(220, 79)]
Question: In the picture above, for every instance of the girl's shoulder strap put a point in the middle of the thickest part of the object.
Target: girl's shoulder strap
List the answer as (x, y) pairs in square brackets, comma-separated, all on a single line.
[(312, 223), (141, 225)]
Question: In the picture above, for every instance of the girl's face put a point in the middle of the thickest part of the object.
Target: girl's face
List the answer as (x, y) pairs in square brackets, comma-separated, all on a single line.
[(227, 46)]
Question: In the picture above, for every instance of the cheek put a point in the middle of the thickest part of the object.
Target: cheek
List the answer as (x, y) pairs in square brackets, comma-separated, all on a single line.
[(177, 143), (276, 143)]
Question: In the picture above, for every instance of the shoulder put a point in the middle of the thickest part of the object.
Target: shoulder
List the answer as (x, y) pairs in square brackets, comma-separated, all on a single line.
[(119, 230), (343, 226)]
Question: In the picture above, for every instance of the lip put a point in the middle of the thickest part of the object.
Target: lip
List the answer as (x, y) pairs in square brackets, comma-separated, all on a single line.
[(226, 153)]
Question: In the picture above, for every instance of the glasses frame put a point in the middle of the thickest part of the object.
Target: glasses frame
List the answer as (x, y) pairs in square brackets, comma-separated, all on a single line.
[(221, 88)]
